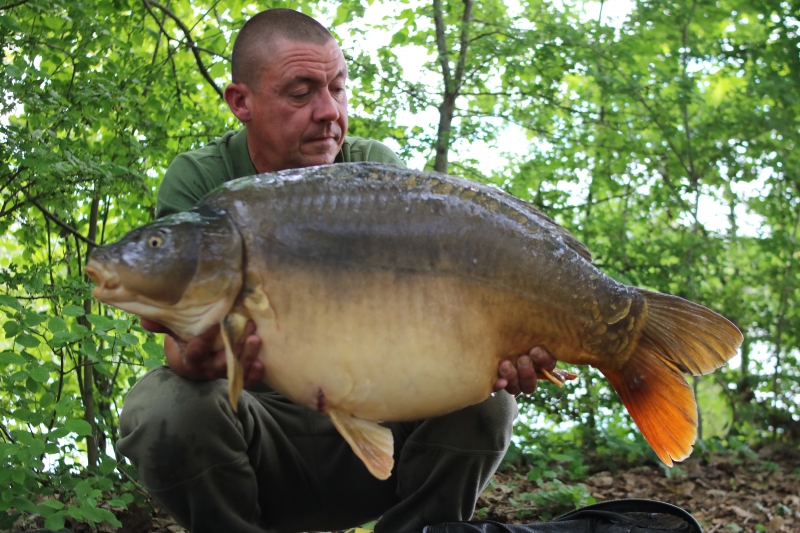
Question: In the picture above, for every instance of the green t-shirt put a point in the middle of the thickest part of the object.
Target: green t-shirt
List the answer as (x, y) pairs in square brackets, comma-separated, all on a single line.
[(194, 174)]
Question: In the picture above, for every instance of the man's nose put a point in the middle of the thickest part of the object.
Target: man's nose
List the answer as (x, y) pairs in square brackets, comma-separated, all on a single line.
[(327, 109)]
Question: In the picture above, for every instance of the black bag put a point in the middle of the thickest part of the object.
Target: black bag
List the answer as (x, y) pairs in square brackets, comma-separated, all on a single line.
[(615, 516)]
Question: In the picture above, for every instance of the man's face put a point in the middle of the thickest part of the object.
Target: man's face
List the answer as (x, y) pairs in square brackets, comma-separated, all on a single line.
[(298, 113)]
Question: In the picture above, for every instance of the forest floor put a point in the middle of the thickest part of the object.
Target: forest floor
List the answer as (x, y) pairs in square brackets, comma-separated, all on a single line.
[(725, 493)]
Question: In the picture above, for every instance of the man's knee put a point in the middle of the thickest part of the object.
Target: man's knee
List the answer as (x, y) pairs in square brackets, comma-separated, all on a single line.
[(171, 428), (163, 396)]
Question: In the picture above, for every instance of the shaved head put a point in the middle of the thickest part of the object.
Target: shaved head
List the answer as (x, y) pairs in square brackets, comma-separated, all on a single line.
[(257, 40)]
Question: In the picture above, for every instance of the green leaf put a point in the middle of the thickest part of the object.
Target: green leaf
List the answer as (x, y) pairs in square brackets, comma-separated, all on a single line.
[(12, 358), (56, 324), (107, 466), (75, 512), (100, 322), (152, 362), (153, 349), (47, 399), (37, 447), (97, 514), (72, 310), (28, 341), (11, 328), (24, 504), (117, 503), (8, 449), (9, 301), (20, 375), (55, 522), (33, 319), (38, 373), (18, 476), (82, 490), (62, 338), (64, 406), (53, 504), (127, 339), (79, 427), (58, 432)]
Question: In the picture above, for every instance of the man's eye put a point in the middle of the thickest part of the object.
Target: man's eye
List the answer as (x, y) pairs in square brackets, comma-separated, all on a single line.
[(301, 95)]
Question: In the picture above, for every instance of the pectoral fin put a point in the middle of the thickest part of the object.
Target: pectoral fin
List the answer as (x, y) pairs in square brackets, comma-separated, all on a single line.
[(228, 330), (371, 442), (257, 303)]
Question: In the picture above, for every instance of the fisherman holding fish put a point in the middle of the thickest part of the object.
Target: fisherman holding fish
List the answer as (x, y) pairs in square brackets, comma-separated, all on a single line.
[(273, 465)]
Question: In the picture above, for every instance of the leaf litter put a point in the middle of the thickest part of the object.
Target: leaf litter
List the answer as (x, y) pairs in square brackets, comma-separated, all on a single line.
[(755, 493), (758, 493)]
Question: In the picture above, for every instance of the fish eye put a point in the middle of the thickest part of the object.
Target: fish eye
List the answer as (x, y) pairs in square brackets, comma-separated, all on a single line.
[(154, 241)]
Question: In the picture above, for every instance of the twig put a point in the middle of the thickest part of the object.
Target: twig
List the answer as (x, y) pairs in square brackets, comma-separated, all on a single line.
[(189, 41), (11, 6), (135, 483), (60, 223), (8, 436)]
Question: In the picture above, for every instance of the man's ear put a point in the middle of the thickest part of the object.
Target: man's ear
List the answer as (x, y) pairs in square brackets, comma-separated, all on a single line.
[(236, 95)]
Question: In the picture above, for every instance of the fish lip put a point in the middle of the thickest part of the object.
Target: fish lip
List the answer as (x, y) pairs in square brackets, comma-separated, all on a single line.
[(105, 279)]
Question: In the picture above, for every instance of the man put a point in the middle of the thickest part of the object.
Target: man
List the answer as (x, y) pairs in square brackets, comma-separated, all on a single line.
[(274, 465)]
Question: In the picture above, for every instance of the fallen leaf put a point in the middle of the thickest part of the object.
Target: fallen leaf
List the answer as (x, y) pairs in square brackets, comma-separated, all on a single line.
[(741, 513), (601, 481), (686, 488), (775, 525)]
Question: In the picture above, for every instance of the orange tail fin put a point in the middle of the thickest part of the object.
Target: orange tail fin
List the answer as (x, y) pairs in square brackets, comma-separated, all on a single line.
[(679, 337)]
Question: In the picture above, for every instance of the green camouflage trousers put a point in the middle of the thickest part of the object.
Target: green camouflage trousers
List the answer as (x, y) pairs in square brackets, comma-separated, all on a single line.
[(276, 466)]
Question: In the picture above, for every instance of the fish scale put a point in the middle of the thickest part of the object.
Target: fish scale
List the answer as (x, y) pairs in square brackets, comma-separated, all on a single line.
[(386, 294)]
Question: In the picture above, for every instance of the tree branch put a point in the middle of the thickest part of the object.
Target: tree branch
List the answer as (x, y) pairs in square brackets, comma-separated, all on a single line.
[(60, 223), (11, 6), (189, 41), (466, 18), (441, 44)]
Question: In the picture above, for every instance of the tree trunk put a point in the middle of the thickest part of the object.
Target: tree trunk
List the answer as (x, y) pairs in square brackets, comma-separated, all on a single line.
[(446, 111), (87, 391), (452, 82)]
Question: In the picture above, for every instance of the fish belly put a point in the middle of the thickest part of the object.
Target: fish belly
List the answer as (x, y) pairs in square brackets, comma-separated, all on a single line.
[(387, 345)]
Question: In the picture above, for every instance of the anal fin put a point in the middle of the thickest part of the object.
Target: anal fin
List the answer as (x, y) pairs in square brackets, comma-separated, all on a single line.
[(371, 442)]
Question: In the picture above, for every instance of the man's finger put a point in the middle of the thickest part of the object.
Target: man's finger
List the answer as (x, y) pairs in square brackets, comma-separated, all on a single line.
[(542, 358), (508, 372), (500, 384), (526, 374)]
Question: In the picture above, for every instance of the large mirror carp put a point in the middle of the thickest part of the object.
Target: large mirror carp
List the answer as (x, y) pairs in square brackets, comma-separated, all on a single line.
[(384, 294)]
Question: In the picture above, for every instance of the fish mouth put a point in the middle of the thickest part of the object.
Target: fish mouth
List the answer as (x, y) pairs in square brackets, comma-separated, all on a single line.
[(106, 280)]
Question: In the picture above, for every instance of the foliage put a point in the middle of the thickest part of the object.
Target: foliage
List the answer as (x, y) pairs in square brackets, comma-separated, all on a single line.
[(664, 142)]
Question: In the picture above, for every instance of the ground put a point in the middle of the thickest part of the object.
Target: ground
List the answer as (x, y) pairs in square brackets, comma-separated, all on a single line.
[(726, 493)]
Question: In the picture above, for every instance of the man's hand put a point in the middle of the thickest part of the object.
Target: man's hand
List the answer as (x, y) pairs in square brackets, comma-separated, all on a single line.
[(522, 378), (197, 359)]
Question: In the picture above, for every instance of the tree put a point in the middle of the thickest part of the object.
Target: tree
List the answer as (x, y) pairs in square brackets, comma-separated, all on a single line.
[(637, 135)]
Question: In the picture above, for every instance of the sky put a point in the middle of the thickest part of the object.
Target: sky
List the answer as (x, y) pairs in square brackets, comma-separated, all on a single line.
[(512, 143)]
